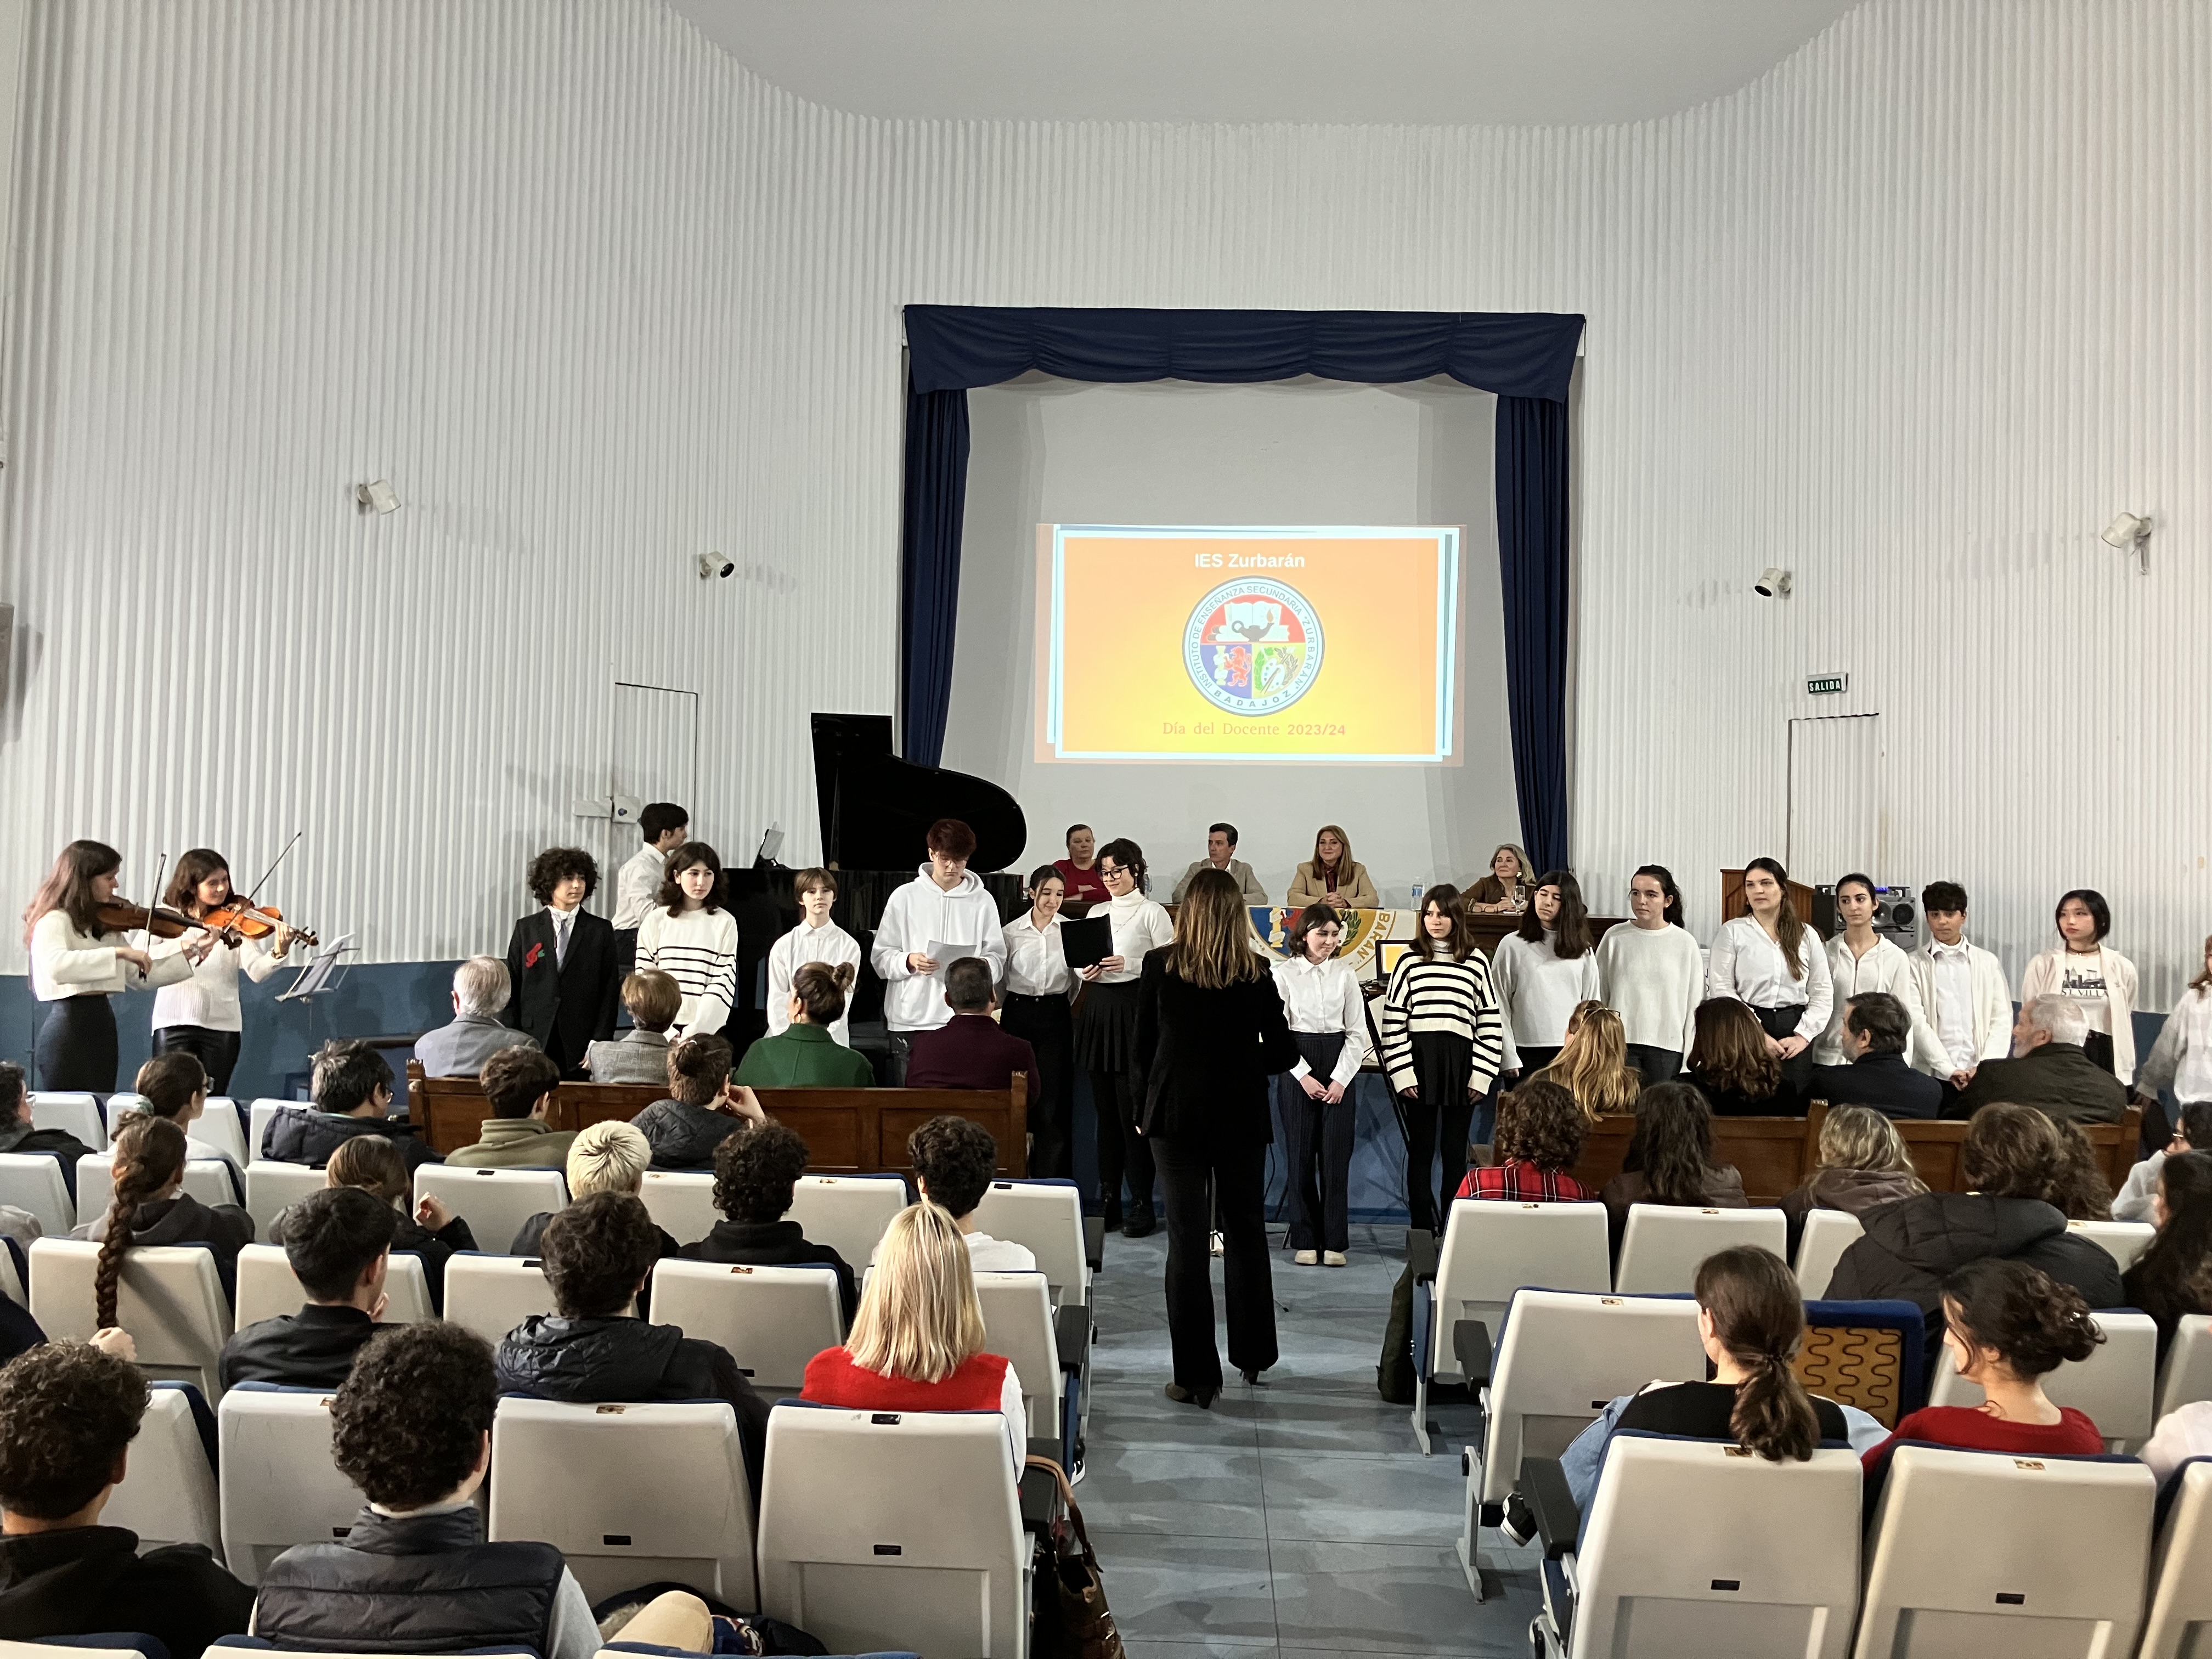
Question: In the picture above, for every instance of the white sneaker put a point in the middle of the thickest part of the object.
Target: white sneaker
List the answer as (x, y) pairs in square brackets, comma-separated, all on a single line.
[(1334, 1258), (1306, 1258)]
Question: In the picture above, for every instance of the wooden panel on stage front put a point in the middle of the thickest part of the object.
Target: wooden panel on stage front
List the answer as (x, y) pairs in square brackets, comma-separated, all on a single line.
[(1773, 1154)]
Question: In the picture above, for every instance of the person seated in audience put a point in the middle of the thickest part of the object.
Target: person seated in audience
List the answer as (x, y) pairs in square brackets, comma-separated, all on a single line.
[(1670, 1159), (518, 1083), (149, 1206), (427, 1230), (917, 1342), (2172, 1277), (2049, 1069), (2007, 1327), (1733, 1068), (607, 1157), (600, 1254), (482, 991), (640, 1053), (954, 1161), (352, 1092), (174, 1085), (2081, 1189), (1540, 1132), (1593, 1068), (2192, 1132), (339, 1243), (1332, 877), (704, 1107), (1862, 1164), (411, 1427), (19, 1135), (969, 1051), (1877, 1028), (754, 1176), (805, 1054), (2009, 1160), (2183, 1433), (68, 1414)]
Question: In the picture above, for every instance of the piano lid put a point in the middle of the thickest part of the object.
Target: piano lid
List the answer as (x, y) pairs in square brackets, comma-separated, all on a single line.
[(876, 809)]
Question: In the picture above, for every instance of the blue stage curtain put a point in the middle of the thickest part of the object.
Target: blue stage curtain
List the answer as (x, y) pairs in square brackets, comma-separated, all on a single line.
[(1531, 452), (929, 566)]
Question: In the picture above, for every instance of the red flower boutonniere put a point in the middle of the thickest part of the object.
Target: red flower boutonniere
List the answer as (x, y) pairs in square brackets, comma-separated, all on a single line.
[(530, 956)]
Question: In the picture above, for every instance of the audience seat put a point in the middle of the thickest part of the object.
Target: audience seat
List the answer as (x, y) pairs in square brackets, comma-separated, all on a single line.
[(2186, 1374), (257, 1124), (168, 1490), (681, 1202), (2179, 1619), (270, 1185), (33, 1181), (891, 1564), (135, 1645), (221, 1128), (1046, 1216), (78, 1114), (170, 1300), (1984, 1553), (847, 1213), (206, 1179), (1828, 1235), (279, 1486), (494, 1202), (772, 1320), (1866, 1354), (268, 1288), (1664, 1243), (2117, 1385), (1018, 1323), (632, 1495), (14, 1272), (120, 1106), (491, 1295), (1771, 1567), (2125, 1240)]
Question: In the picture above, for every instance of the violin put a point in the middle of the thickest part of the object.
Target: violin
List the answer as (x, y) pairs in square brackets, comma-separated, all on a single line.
[(119, 916), (240, 919)]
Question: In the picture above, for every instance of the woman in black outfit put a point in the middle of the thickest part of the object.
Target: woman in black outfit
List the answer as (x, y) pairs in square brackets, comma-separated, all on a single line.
[(1210, 1033)]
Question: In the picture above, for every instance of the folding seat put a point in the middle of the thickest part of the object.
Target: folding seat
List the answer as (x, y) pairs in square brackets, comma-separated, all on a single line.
[(2180, 1620), (1018, 1322), (494, 1202), (169, 1491), (221, 1128), (630, 1494), (270, 1185), (268, 1288), (847, 1213), (1828, 1235), (279, 1486), (1046, 1216), (33, 1181), (492, 1294), (681, 1202), (890, 1563), (258, 1114), (170, 1300), (771, 1320), (2125, 1240), (1866, 1354), (1985, 1553), (206, 1179), (135, 1644), (2117, 1385), (119, 1107), (2186, 1374), (79, 1114), (1664, 1244)]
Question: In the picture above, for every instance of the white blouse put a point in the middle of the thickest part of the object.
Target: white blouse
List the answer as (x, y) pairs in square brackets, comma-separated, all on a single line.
[(1749, 966), (67, 964), (208, 998), (1885, 968), (1138, 926), (828, 944), (1322, 999), (1537, 990), (1036, 958)]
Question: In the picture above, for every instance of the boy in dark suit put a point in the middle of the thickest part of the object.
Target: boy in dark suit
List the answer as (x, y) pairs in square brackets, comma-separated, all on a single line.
[(563, 961), (969, 1051)]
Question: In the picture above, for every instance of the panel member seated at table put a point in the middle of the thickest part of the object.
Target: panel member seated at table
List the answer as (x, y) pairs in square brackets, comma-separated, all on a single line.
[(1876, 1028), (1332, 877), (804, 1054), (969, 1051), (480, 993), (1221, 854)]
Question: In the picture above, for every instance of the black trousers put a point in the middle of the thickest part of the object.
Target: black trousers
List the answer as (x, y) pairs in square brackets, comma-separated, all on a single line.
[(1317, 1141), (1779, 1023), (1122, 1152), (1442, 1063), (1535, 1060), (216, 1051), (625, 951), (1046, 1026), (76, 1046), (1213, 1181), (899, 1048), (1655, 1064)]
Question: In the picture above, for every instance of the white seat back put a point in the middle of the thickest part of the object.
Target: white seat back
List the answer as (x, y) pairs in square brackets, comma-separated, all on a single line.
[(681, 1203), (492, 1294), (219, 1127), (170, 1300), (1491, 1249), (2180, 1620), (118, 1108), (206, 1179), (279, 1486), (1828, 1235), (1563, 1357), (2115, 1386), (45, 1650), (270, 1185), (1018, 1323), (33, 1181), (258, 1114), (1665, 1243), (494, 1202), (2186, 1374), (630, 1495), (771, 1320), (1046, 1216), (1981, 1552), (846, 1212), (1772, 1566), (168, 1493), (77, 1113), (890, 1563), (268, 1288), (2125, 1240)]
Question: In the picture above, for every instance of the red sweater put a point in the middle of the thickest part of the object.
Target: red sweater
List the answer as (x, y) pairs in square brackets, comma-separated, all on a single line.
[(832, 1379), (2072, 1436)]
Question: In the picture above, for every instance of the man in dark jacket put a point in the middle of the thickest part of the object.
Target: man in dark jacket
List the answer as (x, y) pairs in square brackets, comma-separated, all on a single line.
[(352, 1092), (2049, 1069), (706, 1107), (970, 1050), (68, 1413), (19, 1135), (598, 1253), (754, 1175), (339, 1242), (561, 961), (1876, 1028)]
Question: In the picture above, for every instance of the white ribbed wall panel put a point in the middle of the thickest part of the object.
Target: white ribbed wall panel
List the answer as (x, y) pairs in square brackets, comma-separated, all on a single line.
[(1913, 315)]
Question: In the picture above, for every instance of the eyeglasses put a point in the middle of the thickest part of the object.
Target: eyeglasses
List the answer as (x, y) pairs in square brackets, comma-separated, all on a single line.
[(1105, 869)]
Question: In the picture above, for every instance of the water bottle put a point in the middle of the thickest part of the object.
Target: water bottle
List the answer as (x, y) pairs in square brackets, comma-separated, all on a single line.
[(1416, 902)]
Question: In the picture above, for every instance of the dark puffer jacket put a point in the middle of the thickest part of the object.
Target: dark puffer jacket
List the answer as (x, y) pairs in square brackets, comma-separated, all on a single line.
[(300, 1134), (1911, 1246)]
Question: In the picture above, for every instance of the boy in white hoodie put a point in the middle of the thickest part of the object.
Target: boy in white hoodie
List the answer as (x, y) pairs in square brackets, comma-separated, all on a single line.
[(942, 905)]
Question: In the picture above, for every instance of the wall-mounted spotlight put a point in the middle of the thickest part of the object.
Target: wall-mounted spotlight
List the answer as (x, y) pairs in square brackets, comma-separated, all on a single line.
[(379, 496), (2131, 534), (713, 565), (1771, 583)]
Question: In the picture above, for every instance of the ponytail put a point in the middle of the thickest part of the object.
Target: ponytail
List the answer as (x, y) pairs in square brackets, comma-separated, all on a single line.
[(1752, 1301), (149, 1154)]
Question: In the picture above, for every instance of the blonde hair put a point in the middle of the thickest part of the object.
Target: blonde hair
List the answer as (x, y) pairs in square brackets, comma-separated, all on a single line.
[(918, 1318), (1857, 1138), (612, 1156), (1594, 1065), (653, 998)]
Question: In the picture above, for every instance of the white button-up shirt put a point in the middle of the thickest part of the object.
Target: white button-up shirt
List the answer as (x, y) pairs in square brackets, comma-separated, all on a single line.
[(1749, 966), (1036, 959), (1322, 999), (1952, 1015), (637, 884)]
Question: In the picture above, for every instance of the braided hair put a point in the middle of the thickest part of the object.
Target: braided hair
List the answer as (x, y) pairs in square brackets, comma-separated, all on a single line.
[(150, 1158)]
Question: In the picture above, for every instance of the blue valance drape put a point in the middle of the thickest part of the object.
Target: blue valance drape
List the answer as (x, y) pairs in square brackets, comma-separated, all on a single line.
[(1526, 358)]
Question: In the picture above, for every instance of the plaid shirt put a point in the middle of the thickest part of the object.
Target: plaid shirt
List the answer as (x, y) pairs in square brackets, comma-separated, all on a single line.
[(1520, 1180)]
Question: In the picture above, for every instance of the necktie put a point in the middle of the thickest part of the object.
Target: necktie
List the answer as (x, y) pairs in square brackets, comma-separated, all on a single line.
[(561, 941)]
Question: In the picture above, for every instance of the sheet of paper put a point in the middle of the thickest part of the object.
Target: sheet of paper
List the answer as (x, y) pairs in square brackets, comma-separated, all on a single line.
[(945, 955)]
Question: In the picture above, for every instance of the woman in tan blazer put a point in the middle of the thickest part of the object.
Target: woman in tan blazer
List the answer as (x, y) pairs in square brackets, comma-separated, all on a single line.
[(1331, 877)]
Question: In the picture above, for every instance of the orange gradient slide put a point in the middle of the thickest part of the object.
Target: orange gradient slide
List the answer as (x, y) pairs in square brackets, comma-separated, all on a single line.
[(1161, 643)]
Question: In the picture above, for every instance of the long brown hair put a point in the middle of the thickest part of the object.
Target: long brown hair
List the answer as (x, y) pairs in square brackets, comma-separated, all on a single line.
[(1789, 931), (1729, 1048), (1343, 864), (1570, 930), (193, 868), (1213, 947), (1673, 1143), (1594, 1065), (1445, 900), (67, 887), (149, 1154), (1753, 1302)]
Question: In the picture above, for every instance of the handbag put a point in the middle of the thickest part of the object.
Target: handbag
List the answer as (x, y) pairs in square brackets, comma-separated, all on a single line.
[(1068, 1615)]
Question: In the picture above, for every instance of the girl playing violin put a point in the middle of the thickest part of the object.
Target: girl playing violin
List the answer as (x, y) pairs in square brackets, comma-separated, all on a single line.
[(80, 958), (201, 1014)]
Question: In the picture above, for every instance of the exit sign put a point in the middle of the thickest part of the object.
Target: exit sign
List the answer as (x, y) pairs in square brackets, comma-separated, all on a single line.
[(1827, 685)]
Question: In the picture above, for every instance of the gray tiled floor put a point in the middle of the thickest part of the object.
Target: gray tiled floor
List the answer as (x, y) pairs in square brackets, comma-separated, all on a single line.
[(1293, 1521)]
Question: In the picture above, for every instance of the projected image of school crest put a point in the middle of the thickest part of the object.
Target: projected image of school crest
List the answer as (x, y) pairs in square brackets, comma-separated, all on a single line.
[(1252, 647)]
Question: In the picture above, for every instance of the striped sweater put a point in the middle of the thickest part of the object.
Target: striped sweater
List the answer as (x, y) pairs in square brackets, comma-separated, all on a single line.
[(1442, 996), (698, 950)]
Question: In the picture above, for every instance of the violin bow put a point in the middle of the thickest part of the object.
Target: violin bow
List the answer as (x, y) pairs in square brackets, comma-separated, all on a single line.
[(271, 870), (160, 865)]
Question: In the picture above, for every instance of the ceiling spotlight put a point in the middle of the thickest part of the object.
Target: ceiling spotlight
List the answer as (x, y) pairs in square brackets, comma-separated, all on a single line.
[(1771, 582), (379, 496), (2131, 534), (712, 565)]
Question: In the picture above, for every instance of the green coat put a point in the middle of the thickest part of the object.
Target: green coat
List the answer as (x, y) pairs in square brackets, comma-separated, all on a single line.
[(515, 1143), (804, 1057)]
